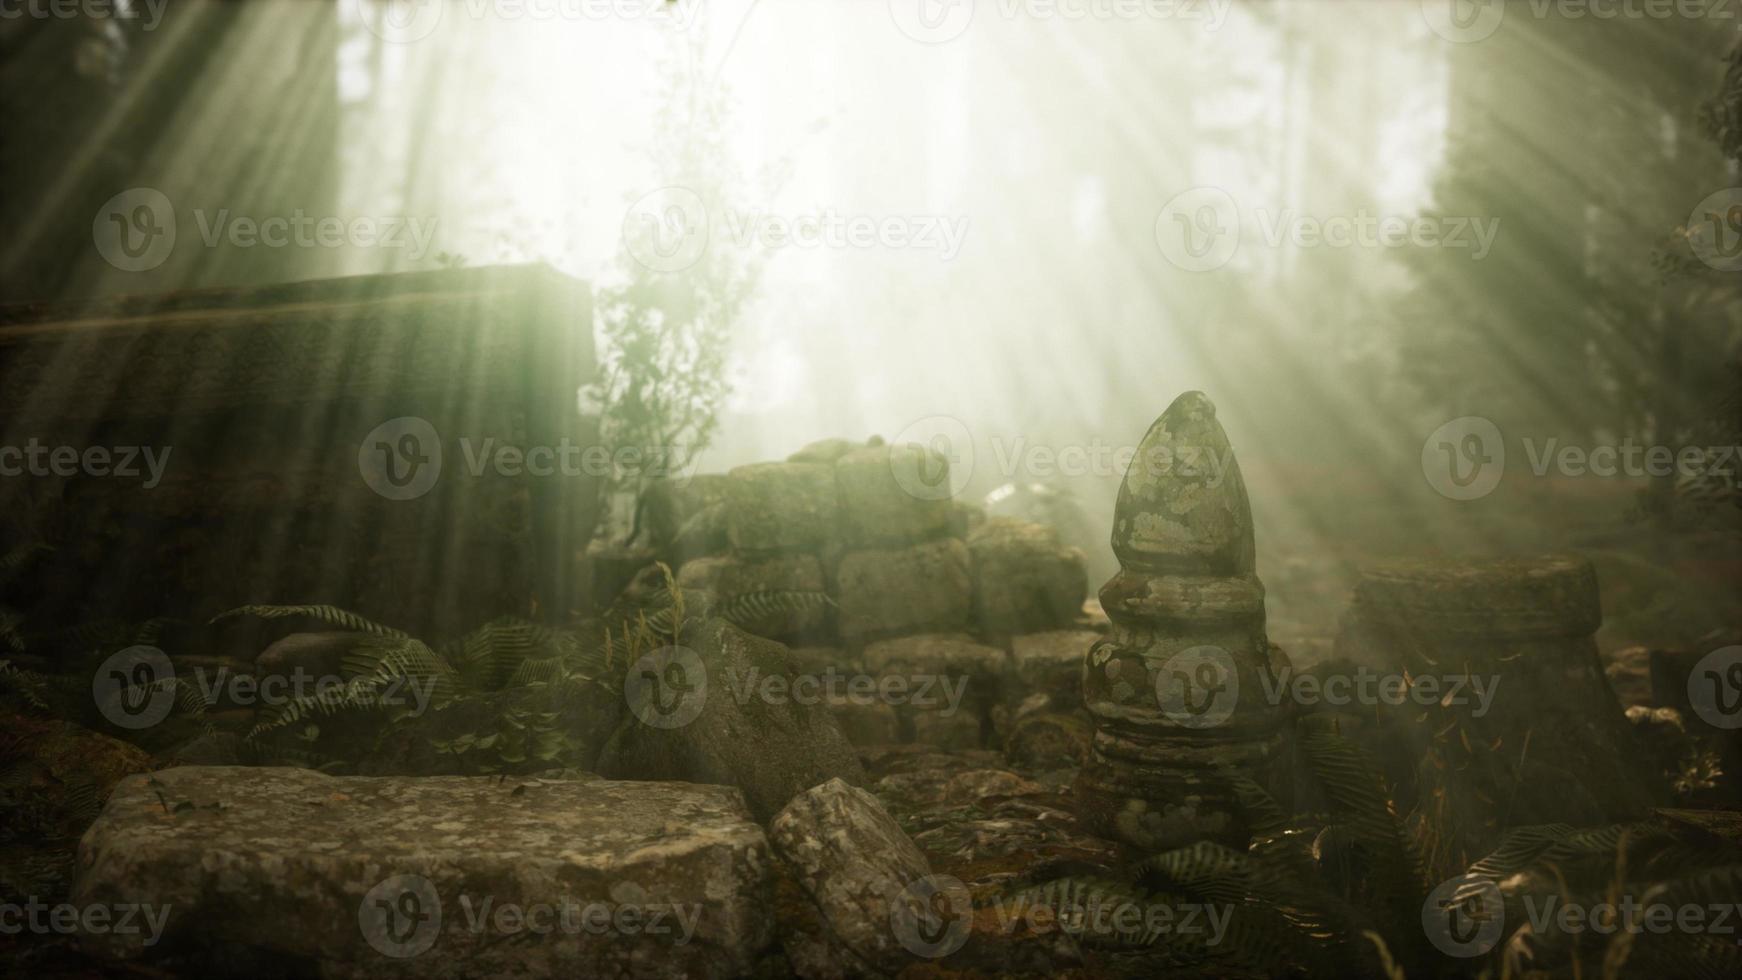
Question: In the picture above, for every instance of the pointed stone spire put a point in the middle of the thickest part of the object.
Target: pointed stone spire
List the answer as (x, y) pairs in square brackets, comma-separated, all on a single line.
[(1177, 689), (1183, 506)]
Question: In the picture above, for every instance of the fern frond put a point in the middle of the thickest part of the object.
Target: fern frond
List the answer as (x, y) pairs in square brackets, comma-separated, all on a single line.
[(331, 615), (770, 606)]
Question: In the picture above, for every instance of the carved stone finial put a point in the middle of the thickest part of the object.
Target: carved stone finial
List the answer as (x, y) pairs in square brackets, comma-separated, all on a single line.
[(1177, 689)]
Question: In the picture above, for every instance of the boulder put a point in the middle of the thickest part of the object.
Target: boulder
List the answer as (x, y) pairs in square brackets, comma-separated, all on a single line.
[(950, 731), (927, 587), (1051, 663), (738, 719), (1024, 580), (1049, 739), (884, 496), (824, 451), (434, 876), (866, 721), (854, 861), (730, 577), (774, 507), (687, 516)]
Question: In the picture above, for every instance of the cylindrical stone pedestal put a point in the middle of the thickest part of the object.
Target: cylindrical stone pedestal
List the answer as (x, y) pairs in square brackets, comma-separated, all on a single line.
[(1176, 689), (1532, 732)]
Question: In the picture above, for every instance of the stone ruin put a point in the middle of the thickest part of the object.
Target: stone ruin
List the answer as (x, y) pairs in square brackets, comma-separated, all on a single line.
[(791, 853), (919, 586)]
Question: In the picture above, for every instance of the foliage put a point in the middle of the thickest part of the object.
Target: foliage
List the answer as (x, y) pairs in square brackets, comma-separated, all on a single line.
[(1307, 894), (666, 333)]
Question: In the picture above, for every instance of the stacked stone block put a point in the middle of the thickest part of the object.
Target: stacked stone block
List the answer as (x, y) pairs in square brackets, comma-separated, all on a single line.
[(924, 592)]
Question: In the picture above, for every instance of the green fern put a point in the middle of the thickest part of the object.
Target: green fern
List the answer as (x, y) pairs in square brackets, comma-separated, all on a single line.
[(771, 606), (331, 615)]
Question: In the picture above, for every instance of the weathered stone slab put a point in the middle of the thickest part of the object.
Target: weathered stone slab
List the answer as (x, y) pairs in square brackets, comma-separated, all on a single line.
[(886, 499), (854, 861), (740, 718), (727, 577), (1024, 580), (436, 876), (773, 507), (924, 588)]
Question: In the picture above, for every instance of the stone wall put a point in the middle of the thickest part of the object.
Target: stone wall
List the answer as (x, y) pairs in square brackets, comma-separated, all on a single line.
[(943, 626)]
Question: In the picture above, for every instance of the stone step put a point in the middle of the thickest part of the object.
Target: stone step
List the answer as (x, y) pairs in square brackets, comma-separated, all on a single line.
[(432, 876)]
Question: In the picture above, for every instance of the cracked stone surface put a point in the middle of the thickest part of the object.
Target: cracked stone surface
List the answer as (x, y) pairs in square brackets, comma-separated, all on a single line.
[(443, 876)]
